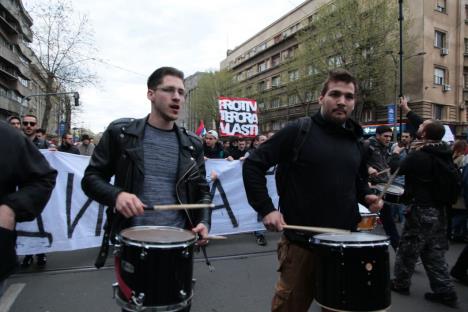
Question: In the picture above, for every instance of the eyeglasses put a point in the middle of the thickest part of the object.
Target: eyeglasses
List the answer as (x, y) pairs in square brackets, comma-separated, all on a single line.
[(29, 123), (172, 90)]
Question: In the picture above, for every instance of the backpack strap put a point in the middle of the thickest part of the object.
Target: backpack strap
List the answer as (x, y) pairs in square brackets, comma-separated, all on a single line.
[(304, 128)]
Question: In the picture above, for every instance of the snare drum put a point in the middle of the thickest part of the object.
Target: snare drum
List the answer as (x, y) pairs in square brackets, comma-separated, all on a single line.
[(154, 268), (368, 219), (393, 193), (352, 272)]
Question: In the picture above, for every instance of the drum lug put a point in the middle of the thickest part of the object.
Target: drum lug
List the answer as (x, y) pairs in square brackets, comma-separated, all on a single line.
[(182, 294), (115, 288), (117, 250), (186, 253), (143, 254), (138, 301)]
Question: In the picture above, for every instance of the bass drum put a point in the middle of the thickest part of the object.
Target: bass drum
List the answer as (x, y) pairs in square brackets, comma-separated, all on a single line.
[(154, 268), (352, 272)]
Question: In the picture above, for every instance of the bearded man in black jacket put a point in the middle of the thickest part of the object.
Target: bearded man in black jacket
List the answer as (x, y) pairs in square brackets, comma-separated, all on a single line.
[(322, 188)]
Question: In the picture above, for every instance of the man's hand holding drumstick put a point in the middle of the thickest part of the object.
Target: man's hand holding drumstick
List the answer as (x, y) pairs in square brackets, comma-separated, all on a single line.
[(274, 221), (129, 205), (374, 202)]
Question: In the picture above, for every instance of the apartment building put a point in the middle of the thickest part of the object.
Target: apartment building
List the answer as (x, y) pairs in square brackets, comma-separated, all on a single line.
[(21, 73), (435, 73)]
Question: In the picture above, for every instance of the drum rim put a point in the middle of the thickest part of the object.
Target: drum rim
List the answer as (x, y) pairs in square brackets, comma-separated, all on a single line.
[(383, 241), (160, 308), (137, 243)]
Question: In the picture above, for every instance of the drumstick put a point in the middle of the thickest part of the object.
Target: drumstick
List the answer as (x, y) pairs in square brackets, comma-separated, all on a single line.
[(215, 237), (383, 171), (182, 206), (315, 229), (389, 182)]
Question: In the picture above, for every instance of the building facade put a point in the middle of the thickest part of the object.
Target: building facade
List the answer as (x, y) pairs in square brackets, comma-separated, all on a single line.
[(435, 75), (21, 73)]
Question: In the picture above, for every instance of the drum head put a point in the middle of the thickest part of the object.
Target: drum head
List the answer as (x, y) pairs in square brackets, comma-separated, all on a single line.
[(157, 234), (392, 189), (351, 239), (363, 209)]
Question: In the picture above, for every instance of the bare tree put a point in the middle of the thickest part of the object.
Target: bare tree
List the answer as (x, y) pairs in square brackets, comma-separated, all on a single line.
[(64, 44)]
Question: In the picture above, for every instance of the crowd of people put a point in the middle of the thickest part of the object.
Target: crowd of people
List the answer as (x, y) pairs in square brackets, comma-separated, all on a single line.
[(326, 166)]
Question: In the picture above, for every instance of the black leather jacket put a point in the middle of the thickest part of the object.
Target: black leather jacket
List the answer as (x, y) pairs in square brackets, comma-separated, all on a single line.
[(120, 153)]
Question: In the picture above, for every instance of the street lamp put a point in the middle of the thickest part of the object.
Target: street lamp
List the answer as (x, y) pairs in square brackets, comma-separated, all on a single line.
[(397, 96)]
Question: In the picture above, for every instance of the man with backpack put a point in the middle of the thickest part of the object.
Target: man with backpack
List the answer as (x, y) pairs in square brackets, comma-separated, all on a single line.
[(320, 179), (430, 184)]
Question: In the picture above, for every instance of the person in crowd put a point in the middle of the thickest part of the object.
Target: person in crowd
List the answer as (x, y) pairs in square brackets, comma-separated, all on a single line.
[(26, 182), (41, 134), (166, 164), (330, 162), (259, 235), (424, 230), (458, 153), (226, 145), (212, 148), (457, 215), (241, 150), (67, 145), (14, 121), (270, 134), (402, 148), (29, 129), (86, 147), (377, 162)]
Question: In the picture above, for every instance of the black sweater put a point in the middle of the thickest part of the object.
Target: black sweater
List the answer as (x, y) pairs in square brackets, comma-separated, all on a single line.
[(323, 187)]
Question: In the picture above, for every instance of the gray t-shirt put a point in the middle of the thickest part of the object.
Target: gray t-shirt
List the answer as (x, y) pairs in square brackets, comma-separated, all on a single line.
[(161, 158)]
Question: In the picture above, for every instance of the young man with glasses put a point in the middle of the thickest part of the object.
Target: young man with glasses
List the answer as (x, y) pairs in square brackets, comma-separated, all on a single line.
[(154, 162), (29, 129), (67, 145)]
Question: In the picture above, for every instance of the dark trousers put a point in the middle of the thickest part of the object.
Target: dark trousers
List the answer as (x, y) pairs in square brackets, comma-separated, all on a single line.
[(462, 262), (389, 224)]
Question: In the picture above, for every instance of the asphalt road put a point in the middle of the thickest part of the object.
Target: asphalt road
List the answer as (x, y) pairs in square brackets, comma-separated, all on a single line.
[(243, 280)]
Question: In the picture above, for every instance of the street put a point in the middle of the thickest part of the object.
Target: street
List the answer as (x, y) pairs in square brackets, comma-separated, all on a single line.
[(243, 281)]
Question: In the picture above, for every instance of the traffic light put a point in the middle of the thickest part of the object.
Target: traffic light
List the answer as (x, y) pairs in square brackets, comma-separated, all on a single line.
[(76, 96)]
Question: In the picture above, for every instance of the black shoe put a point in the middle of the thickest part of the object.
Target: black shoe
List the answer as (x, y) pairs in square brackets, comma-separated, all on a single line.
[(27, 261), (261, 240), (460, 276), (448, 299), (401, 290), (41, 260)]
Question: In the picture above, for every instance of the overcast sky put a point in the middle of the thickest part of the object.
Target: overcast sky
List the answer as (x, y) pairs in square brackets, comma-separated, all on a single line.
[(136, 37)]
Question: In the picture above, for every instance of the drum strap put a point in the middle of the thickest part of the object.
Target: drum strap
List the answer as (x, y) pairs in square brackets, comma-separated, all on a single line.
[(126, 291)]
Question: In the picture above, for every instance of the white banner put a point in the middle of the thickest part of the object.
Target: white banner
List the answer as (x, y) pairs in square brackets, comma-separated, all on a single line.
[(238, 117), (72, 221)]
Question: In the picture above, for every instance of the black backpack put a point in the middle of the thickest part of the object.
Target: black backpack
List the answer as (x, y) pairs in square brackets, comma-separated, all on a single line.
[(446, 184), (282, 169)]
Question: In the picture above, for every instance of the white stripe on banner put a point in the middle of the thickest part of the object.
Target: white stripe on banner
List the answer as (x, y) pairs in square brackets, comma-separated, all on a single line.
[(72, 221)]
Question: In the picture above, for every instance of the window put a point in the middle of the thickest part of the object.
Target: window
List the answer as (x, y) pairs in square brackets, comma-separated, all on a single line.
[(262, 66), (367, 115), (441, 6), (261, 86), (439, 39), (439, 76), (438, 112), (335, 61), (23, 81), (248, 90), (275, 60), (275, 81), (250, 71), (293, 99), (293, 75), (276, 102), (312, 70), (465, 80), (466, 46)]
